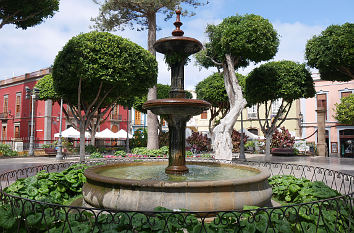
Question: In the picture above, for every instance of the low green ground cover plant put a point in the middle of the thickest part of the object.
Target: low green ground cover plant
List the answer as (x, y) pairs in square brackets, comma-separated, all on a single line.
[(120, 153), (54, 187), (96, 155)]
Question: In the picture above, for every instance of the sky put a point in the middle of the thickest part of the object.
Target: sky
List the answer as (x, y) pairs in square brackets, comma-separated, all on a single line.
[(25, 51)]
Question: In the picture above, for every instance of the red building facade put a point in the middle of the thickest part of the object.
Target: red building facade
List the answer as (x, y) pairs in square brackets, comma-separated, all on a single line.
[(15, 113)]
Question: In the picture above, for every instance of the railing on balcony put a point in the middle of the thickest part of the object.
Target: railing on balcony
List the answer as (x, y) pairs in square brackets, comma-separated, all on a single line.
[(4, 115), (116, 117)]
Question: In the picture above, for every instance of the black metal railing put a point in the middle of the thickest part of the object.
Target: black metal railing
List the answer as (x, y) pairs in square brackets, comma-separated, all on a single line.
[(328, 215)]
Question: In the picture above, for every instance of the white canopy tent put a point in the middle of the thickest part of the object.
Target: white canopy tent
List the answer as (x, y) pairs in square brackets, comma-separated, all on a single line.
[(123, 134), (106, 133), (71, 133)]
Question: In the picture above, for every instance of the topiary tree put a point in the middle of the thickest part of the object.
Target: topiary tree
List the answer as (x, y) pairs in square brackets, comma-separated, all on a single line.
[(282, 80), (96, 68), (332, 53), (235, 42), (117, 14), (27, 13), (345, 110)]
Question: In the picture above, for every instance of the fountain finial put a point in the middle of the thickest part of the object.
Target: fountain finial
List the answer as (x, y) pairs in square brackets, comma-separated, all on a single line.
[(178, 24)]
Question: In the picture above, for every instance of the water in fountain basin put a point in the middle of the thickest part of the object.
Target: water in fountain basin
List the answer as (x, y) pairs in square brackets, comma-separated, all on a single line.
[(196, 173)]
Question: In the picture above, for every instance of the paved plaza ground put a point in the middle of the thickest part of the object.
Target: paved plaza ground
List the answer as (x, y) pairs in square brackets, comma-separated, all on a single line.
[(345, 165)]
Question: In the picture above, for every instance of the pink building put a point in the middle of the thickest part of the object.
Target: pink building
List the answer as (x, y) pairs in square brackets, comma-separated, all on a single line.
[(339, 137), (15, 113)]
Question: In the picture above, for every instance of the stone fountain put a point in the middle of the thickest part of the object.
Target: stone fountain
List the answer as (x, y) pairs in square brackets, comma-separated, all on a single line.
[(204, 186)]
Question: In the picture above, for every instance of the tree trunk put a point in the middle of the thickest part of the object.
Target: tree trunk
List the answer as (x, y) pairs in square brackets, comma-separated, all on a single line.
[(268, 138), (152, 121), (82, 141), (222, 142)]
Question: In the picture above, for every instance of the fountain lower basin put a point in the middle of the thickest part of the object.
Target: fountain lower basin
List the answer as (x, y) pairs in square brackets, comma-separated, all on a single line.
[(231, 193)]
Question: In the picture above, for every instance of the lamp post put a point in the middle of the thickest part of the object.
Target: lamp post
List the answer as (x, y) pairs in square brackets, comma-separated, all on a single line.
[(59, 155), (242, 146), (127, 142), (31, 93)]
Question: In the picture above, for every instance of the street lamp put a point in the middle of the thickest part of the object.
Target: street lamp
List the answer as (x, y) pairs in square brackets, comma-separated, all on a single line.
[(59, 155), (31, 93)]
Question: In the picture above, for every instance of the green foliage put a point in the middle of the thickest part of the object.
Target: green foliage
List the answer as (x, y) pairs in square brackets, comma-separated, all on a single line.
[(106, 64), (46, 89), (155, 152), (236, 140), (280, 79), (199, 142), (120, 153), (282, 139), (96, 155), (212, 89), (139, 138), (55, 187), (288, 189), (90, 149), (332, 52), (345, 110), (118, 14), (247, 38), (6, 150), (27, 13)]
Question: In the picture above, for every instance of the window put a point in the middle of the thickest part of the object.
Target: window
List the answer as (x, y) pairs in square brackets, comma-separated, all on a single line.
[(17, 131), (345, 94), (137, 117), (322, 102), (18, 105), (252, 112), (275, 106), (3, 132), (115, 113), (204, 115), (6, 102)]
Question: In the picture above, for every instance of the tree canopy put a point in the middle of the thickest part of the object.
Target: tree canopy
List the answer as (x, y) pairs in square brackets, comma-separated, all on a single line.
[(332, 52), (27, 13), (98, 67), (46, 89), (248, 38), (345, 110), (118, 14), (284, 81)]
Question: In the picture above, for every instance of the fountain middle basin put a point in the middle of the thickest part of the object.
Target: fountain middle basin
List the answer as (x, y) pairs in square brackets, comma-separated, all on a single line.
[(223, 192)]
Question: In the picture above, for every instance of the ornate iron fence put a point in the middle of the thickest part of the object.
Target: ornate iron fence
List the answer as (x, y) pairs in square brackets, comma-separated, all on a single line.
[(329, 215)]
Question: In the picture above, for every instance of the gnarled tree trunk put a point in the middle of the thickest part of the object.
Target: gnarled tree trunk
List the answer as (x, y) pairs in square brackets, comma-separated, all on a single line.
[(152, 121), (222, 142)]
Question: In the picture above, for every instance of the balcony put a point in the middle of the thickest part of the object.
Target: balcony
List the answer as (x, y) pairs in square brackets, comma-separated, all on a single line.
[(4, 116), (116, 117)]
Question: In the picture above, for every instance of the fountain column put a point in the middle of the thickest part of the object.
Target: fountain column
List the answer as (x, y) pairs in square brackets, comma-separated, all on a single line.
[(177, 110)]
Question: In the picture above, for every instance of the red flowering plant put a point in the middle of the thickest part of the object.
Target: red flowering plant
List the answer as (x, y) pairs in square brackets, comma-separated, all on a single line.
[(282, 139), (199, 142), (236, 140)]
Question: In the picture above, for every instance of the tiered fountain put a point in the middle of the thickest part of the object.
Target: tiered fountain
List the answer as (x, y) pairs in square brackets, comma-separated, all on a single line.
[(200, 186)]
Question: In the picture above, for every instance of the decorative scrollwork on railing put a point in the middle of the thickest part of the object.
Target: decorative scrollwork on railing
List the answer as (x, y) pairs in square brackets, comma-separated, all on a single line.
[(328, 215)]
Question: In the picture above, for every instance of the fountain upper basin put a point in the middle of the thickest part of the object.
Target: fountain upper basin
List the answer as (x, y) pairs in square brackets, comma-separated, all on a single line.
[(177, 106), (145, 195)]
